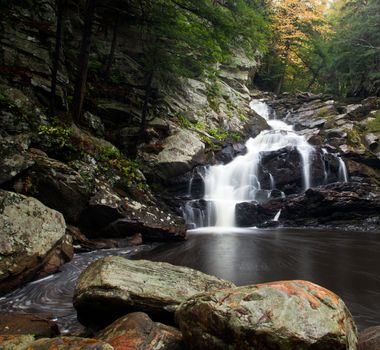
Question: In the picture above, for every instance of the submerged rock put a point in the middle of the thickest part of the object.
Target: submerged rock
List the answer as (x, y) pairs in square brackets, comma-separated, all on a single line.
[(114, 286), (30, 234), (277, 315), (136, 331)]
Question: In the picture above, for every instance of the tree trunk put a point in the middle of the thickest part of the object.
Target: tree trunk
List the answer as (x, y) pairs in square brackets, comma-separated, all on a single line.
[(148, 92), (111, 55), (80, 85), (282, 78), (58, 44)]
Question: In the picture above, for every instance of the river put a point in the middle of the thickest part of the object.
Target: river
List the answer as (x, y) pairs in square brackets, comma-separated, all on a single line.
[(344, 262)]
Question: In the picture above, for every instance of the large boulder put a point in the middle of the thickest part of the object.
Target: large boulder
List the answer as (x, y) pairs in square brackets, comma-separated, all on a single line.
[(136, 331), (113, 286), (277, 315), (56, 185), (181, 152), (369, 339), (110, 215), (30, 232)]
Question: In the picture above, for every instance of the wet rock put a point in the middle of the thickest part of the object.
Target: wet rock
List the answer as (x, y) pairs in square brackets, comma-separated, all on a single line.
[(13, 156), (30, 233), (369, 339), (113, 286), (56, 185), (251, 214), (69, 343), (136, 331), (277, 315), (333, 204), (14, 323), (110, 215)]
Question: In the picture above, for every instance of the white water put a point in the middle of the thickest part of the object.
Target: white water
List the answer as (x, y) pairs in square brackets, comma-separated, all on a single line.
[(238, 181), (343, 173)]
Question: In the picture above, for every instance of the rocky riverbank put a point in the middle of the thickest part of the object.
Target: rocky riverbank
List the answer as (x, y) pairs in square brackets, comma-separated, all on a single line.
[(198, 311)]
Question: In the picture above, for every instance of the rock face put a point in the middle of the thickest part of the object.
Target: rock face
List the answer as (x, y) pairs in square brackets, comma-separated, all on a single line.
[(13, 156), (29, 232), (57, 186), (369, 339), (136, 331), (113, 286), (277, 315)]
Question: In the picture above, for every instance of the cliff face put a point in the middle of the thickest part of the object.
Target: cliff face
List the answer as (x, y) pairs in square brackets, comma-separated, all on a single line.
[(217, 101)]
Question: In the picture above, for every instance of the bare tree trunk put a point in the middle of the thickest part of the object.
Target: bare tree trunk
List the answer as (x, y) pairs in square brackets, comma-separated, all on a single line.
[(111, 55), (80, 85), (57, 51), (282, 78), (148, 92)]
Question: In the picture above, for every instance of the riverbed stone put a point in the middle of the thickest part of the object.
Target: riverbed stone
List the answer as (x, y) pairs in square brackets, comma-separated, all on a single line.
[(136, 331), (114, 286), (29, 232), (20, 323), (15, 341), (68, 343), (369, 339), (277, 315)]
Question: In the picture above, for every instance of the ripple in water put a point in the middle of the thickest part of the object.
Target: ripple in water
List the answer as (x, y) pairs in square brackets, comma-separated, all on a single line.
[(53, 294)]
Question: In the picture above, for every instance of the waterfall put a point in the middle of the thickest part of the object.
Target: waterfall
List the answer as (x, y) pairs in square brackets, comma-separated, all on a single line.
[(343, 173), (239, 180)]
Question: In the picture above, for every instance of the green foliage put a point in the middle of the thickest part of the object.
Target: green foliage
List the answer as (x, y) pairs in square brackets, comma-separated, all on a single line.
[(184, 121), (110, 158), (193, 35), (59, 133), (355, 49)]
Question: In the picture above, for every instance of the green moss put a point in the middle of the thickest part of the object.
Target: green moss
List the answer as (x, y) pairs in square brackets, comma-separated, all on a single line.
[(374, 124)]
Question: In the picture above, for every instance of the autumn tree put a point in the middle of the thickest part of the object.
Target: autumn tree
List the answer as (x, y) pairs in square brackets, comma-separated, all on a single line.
[(296, 27)]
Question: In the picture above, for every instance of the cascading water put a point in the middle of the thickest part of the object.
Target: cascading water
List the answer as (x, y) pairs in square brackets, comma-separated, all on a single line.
[(240, 180)]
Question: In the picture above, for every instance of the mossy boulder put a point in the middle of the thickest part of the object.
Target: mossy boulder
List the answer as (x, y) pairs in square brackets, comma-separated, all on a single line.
[(114, 286)]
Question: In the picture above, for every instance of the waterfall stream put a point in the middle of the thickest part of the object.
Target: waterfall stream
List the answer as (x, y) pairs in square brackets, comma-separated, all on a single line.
[(240, 180)]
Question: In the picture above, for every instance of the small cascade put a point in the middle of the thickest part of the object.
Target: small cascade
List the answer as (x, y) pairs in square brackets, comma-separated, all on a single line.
[(277, 216), (343, 173), (272, 183)]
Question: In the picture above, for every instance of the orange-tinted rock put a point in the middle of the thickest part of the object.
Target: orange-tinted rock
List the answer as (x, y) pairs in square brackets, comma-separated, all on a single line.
[(278, 315), (68, 343), (136, 331), (15, 342), (13, 323)]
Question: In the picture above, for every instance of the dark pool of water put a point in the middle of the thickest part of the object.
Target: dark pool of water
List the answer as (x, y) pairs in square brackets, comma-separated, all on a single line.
[(347, 263)]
